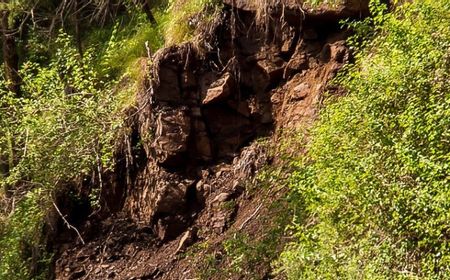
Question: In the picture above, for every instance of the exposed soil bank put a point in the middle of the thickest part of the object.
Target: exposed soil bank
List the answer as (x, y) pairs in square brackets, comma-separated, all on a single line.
[(182, 172)]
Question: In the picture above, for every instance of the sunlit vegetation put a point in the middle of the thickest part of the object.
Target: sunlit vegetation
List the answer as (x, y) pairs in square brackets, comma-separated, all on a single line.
[(374, 185)]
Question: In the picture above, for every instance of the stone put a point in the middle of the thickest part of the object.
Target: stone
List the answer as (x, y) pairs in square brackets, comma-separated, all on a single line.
[(266, 113), (170, 227), (219, 90), (205, 82), (288, 39), (310, 34), (219, 223), (203, 146), (199, 125), (273, 68), (160, 194), (290, 9), (171, 195), (325, 54), (222, 197), (339, 52), (188, 79), (297, 63), (240, 106), (199, 186), (196, 112), (186, 240), (300, 91), (202, 142), (222, 121), (313, 48), (247, 45), (168, 89)]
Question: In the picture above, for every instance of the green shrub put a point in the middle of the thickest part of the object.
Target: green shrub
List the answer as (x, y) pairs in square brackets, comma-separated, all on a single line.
[(20, 240), (375, 182), (61, 130), (124, 43)]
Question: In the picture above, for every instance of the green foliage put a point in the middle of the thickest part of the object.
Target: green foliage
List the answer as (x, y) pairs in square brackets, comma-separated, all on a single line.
[(315, 3), (126, 42), (246, 256), (63, 128), (375, 182), (21, 240), (65, 123), (250, 257), (248, 252)]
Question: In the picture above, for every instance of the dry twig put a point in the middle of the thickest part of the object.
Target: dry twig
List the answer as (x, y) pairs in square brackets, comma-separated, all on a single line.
[(69, 226)]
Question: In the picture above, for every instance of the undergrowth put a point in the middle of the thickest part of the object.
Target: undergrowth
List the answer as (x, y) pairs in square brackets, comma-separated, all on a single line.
[(374, 182)]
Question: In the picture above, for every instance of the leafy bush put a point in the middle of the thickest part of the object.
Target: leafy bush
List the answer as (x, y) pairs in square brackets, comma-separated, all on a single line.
[(375, 182), (122, 44), (60, 131), (20, 241)]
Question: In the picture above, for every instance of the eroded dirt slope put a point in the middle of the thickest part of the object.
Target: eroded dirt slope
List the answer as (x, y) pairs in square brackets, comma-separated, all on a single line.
[(182, 175)]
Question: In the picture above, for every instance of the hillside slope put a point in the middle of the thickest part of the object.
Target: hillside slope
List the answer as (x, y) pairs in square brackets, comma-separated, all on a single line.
[(191, 182), (225, 139)]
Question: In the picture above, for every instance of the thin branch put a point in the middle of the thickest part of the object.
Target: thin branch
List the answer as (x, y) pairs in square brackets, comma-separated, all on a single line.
[(251, 217), (69, 226), (99, 169)]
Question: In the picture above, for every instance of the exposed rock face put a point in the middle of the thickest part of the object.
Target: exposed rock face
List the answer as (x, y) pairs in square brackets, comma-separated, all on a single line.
[(202, 114), (173, 128), (196, 122), (291, 8)]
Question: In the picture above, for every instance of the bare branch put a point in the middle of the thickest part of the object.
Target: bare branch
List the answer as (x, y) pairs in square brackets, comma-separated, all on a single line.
[(69, 226)]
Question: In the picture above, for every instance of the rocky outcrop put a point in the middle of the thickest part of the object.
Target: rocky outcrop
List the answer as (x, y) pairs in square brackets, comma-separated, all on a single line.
[(295, 9), (192, 151), (203, 108)]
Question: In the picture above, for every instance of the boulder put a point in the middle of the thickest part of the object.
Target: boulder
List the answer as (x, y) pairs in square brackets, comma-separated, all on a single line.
[(170, 227), (186, 240), (300, 91), (240, 106), (158, 195), (173, 127), (219, 90), (203, 149), (272, 68), (339, 52), (297, 63)]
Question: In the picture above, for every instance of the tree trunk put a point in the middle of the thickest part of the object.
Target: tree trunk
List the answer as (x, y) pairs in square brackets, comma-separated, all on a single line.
[(10, 56), (148, 11), (77, 27)]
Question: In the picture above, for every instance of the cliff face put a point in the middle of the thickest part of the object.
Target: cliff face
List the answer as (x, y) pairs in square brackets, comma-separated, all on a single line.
[(296, 10), (192, 148)]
